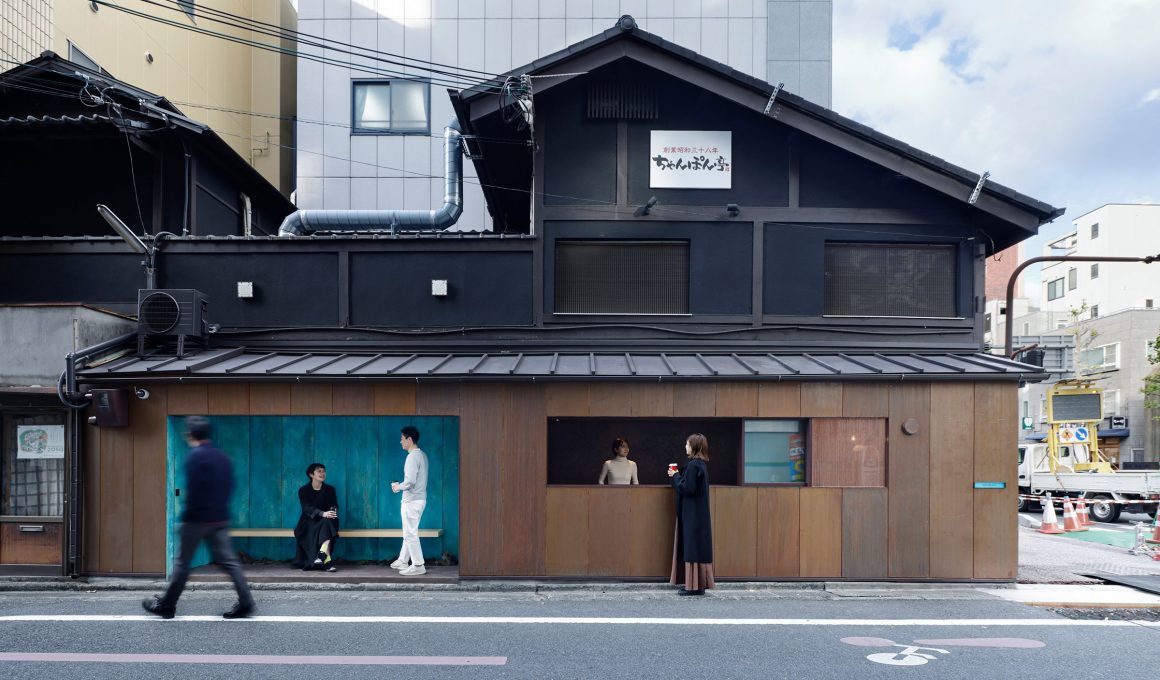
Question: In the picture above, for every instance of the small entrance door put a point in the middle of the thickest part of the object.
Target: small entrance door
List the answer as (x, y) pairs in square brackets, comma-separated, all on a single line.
[(32, 487)]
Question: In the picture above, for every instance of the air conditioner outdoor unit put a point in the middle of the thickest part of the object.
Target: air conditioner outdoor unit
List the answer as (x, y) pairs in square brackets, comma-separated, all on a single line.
[(174, 312)]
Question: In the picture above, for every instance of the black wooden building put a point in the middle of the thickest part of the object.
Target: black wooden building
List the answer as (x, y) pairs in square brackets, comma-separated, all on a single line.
[(679, 247)]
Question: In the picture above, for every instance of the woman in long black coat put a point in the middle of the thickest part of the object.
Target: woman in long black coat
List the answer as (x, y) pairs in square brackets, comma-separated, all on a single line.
[(317, 528), (693, 545)]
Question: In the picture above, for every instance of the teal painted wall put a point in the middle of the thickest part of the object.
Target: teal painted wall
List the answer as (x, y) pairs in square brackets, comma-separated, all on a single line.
[(362, 457)]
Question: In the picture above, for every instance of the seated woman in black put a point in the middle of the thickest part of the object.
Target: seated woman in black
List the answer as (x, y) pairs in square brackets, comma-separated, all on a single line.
[(317, 528)]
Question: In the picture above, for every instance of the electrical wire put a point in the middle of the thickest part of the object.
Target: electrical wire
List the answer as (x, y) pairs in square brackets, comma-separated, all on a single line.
[(275, 30), (448, 82), (593, 205)]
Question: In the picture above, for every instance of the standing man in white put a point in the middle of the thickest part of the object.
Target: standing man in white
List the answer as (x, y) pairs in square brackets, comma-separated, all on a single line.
[(414, 488)]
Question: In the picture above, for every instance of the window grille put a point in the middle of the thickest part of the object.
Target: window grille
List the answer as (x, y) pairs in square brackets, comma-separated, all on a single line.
[(30, 487), (622, 277), (863, 279)]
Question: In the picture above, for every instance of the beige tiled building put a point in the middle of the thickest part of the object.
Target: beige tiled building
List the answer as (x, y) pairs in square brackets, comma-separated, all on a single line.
[(170, 57)]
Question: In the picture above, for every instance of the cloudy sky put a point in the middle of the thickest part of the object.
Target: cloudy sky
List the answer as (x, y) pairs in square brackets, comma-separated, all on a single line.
[(1058, 99)]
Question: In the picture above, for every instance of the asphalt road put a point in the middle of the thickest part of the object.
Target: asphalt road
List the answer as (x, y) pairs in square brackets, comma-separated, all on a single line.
[(581, 635)]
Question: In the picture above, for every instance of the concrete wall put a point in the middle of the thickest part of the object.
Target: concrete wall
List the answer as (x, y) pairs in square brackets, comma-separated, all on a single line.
[(1129, 330), (35, 340), (27, 30), (777, 41)]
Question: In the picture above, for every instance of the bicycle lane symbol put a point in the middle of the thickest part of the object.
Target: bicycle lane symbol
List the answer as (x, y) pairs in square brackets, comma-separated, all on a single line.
[(918, 653)]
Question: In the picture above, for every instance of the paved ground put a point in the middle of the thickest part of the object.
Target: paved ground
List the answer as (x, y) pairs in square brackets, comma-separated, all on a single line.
[(1064, 558), (788, 633)]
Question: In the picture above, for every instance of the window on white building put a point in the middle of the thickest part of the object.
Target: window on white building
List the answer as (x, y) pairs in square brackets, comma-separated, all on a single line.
[(76, 56), (1104, 357), (1072, 278), (1111, 403), (1043, 409), (1055, 289), (1096, 230), (1096, 270), (391, 106), (1095, 311)]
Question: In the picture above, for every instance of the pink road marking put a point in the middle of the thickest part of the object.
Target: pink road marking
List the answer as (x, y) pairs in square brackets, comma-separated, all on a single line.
[(1016, 643), (260, 659)]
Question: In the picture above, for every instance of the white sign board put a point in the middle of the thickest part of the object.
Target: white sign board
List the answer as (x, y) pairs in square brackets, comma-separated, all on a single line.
[(691, 159), (1072, 434), (40, 441)]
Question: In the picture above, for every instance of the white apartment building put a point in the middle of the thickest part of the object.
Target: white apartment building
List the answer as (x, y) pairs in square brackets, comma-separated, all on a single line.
[(370, 132), (1118, 230), (1121, 303)]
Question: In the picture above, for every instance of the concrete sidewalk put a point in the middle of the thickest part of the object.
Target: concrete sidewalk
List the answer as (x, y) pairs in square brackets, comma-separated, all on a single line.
[(1046, 595)]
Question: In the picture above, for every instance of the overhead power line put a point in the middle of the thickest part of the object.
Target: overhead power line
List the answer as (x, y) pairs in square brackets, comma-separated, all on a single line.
[(209, 13), (458, 83)]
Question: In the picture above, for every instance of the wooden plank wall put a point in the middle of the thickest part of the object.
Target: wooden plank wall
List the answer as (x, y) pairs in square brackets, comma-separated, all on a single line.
[(927, 523)]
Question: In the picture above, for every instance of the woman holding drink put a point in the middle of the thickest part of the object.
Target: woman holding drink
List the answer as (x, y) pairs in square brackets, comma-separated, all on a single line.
[(693, 544)]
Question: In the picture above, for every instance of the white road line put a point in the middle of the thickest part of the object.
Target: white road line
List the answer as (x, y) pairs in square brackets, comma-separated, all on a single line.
[(601, 621)]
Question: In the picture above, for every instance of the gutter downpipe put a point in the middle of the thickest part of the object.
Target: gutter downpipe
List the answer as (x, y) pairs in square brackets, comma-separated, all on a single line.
[(305, 222), (1007, 335), (66, 391)]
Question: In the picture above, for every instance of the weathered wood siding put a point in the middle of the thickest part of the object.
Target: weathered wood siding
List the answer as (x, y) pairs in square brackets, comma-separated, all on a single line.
[(927, 522)]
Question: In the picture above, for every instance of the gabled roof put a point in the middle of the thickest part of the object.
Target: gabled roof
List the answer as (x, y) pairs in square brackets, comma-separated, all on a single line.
[(52, 78), (625, 39)]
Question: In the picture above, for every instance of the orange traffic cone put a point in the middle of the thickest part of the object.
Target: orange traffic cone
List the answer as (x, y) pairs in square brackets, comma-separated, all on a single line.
[(1050, 524), (1155, 540), (1081, 511), (1070, 522)]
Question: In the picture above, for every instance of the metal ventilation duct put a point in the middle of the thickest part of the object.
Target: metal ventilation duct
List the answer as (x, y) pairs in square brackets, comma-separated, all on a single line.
[(305, 222)]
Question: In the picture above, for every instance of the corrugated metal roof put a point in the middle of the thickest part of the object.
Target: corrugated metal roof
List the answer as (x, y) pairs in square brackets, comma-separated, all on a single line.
[(249, 365)]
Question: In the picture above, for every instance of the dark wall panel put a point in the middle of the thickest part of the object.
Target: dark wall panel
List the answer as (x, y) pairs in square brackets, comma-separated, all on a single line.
[(760, 172), (289, 289), (580, 154), (720, 270), (833, 178), (71, 278), (394, 289)]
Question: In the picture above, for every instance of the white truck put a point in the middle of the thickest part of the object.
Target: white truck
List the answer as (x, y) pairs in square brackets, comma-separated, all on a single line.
[(1107, 493)]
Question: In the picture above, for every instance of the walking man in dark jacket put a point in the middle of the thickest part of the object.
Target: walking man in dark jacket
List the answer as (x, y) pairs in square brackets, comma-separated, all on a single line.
[(209, 483)]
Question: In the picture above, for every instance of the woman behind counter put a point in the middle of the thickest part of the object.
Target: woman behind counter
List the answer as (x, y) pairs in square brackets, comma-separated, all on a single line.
[(618, 470), (693, 545), (317, 528)]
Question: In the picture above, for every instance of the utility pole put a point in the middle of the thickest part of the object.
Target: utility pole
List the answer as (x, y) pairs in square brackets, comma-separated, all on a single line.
[(1052, 258)]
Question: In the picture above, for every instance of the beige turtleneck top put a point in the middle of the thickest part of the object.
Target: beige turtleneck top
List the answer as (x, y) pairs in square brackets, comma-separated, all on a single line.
[(618, 471)]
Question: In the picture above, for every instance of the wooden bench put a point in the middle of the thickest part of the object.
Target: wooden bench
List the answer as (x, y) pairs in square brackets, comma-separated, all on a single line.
[(342, 533)]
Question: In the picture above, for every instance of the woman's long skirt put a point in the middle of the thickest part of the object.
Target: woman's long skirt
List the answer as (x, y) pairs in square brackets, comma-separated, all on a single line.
[(692, 575)]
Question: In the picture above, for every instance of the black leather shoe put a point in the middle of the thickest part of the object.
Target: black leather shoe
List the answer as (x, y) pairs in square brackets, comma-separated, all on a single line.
[(239, 611), (690, 592), (153, 606)]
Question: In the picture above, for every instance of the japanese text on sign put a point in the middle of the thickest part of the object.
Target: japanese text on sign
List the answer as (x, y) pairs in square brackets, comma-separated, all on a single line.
[(691, 159)]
